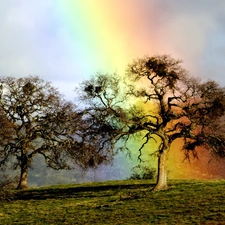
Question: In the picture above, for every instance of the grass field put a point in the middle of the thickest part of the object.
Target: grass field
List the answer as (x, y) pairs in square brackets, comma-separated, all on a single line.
[(118, 202)]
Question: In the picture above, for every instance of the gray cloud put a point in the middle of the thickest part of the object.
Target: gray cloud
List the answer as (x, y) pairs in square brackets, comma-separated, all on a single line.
[(195, 30), (33, 42)]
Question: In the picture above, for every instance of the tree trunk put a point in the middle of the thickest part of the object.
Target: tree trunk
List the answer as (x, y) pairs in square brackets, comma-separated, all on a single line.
[(161, 183), (23, 173)]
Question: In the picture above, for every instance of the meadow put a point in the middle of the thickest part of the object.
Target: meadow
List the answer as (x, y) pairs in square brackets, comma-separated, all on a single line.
[(118, 202)]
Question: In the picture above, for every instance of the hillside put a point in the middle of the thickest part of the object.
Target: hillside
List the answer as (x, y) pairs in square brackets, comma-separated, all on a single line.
[(118, 202)]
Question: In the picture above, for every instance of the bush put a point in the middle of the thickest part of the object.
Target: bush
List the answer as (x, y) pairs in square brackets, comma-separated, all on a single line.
[(143, 173), (6, 185)]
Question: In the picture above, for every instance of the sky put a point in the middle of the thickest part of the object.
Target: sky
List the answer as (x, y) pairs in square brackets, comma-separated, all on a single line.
[(68, 41)]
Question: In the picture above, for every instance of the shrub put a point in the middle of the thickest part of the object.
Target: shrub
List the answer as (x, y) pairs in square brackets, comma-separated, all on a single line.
[(143, 173), (7, 183)]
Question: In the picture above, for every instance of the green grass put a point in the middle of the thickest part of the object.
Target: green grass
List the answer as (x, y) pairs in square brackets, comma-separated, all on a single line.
[(118, 202)]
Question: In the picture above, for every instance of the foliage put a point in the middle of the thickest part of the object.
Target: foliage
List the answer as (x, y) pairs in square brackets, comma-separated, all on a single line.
[(118, 202), (43, 123), (143, 173), (7, 183)]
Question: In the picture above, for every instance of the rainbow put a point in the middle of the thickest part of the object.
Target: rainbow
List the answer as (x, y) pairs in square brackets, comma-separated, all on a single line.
[(107, 35), (106, 38)]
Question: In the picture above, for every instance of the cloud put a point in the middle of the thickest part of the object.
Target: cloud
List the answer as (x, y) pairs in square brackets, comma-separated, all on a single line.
[(36, 40), (195, 32), (19, 36)]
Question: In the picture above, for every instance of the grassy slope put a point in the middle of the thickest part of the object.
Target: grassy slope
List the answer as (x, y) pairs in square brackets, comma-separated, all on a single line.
[(118, 202)]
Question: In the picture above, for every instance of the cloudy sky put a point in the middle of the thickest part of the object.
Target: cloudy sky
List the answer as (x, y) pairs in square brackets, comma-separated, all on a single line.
[(67, 41)]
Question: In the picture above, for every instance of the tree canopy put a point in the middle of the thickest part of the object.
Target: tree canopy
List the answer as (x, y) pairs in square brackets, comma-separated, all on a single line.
[(37, 120), (157, 99)]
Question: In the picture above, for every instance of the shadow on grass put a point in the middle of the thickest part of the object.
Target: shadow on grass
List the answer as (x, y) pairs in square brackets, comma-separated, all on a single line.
[(75, 192)]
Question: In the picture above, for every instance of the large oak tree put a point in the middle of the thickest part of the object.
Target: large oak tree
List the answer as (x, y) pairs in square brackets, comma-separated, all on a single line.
[(159, 100), (41, 122)]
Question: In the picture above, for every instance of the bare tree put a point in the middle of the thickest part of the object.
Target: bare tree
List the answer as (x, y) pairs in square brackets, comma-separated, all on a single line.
[(42, 122), (159, 101), (99, 136)]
